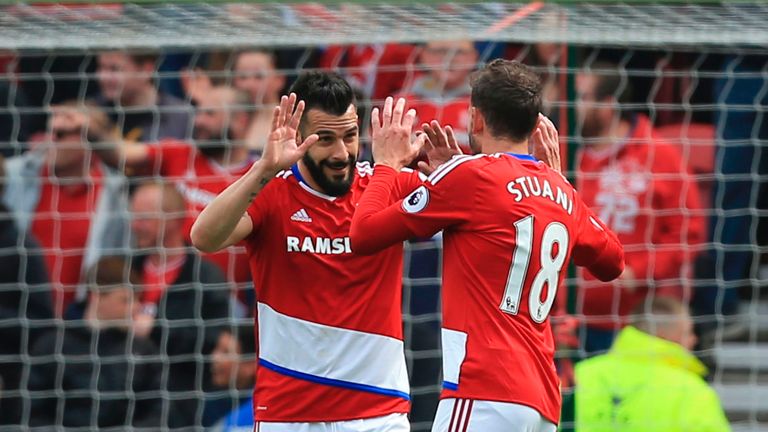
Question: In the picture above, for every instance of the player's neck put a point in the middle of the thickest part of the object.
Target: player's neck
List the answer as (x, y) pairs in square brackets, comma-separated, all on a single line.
[(497, 145)]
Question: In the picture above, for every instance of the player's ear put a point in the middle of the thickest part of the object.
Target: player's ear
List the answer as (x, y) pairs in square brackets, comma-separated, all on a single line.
[(477, 121)]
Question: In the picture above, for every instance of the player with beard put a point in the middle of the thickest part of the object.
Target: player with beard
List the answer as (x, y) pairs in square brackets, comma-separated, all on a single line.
[(200, 170), (329, 320)]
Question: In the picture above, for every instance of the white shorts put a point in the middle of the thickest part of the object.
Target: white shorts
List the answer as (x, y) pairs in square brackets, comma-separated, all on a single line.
[(388, 423), (466, 415)]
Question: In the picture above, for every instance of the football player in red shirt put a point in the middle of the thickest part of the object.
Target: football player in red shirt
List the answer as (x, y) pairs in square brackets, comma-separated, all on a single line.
[(510, 226), (329, 320)]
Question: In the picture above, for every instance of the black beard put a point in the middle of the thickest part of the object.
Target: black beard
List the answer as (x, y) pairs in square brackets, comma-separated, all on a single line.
[(328, 185)]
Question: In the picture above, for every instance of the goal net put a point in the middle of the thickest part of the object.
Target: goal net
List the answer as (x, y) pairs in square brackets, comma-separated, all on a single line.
[(684, 184)]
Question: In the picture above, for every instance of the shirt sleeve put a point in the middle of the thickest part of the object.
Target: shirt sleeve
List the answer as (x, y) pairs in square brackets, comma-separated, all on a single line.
[(259, 209), (383, 217), (161, 155), (407, 181), (597, 248)]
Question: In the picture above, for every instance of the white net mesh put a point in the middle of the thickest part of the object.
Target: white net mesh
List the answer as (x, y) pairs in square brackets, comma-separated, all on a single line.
[(698, 73), (239, 24)]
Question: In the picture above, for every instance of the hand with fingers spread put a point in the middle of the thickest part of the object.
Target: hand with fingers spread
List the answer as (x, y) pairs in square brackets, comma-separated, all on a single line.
[(545, 143), (282, 149), (441, 146), (391, 137)]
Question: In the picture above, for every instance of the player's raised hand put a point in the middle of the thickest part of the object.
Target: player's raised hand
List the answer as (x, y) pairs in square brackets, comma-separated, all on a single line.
[(391, 134), (441, 146), (545, 143), (282, 148)]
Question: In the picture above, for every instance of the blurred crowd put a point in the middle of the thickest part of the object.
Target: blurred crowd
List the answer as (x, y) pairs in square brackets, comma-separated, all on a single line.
[(108, 317)]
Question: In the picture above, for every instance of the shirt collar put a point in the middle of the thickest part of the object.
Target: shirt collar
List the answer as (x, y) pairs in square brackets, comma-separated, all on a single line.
[(525, 157), (300, 178), (297, 173)]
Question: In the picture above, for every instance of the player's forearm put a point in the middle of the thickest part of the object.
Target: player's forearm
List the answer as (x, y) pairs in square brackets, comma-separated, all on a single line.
[(373, 225), (609, 263), (219, 219)]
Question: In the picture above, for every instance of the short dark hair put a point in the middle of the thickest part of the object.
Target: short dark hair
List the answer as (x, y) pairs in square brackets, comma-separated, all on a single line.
[(508, 94), (326, 91), (246, 337), (143, 58), (139, 57), (111, 272), (610, 83)]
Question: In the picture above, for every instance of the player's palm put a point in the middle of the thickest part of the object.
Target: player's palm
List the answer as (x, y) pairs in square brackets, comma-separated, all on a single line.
[(391, 136), (441, 146), (545, 143), (282, 149)]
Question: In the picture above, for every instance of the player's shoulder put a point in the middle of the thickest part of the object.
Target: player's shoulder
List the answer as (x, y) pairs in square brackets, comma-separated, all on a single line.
[(364, 169), (283, 179), (459, 166)]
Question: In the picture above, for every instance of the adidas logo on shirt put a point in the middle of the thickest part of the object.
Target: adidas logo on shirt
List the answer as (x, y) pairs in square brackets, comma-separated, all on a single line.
[(301, 216)]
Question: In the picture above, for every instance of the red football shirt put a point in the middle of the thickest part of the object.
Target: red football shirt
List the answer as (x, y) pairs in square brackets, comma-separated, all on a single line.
[(61, 224), (329, 319), (510, 226), (200, 180)]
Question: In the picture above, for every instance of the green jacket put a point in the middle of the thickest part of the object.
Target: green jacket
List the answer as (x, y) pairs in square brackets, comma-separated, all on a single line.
[(645, 384)]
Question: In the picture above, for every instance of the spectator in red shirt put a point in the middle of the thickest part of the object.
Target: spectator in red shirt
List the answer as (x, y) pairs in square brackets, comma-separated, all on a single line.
[(129, 93), (202, 169), (73, 205), (442, 93), (640, 188)]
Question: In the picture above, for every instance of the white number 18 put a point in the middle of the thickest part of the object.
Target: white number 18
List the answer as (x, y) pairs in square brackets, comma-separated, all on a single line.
[(549, 274)]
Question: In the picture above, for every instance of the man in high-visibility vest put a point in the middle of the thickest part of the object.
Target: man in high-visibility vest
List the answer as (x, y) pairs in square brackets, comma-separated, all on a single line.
[(649, 380)]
